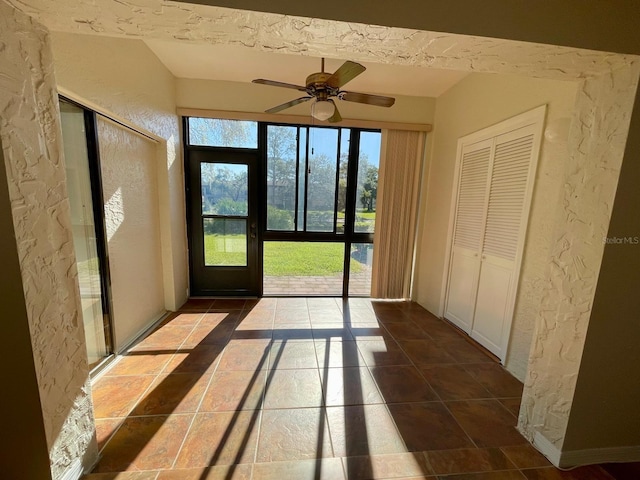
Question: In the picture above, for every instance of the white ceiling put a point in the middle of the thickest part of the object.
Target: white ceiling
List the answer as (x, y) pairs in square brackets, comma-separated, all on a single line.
[(242, 64)]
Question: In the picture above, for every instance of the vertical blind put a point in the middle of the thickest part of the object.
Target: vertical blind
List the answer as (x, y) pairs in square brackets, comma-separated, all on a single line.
[(400, 165)]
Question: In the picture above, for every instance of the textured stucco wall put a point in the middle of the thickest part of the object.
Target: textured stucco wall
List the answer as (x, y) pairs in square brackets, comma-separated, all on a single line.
[(478, 101), (609, 417), (132, 220), (608, 83), (186, 22), (31, 142), (596, 147), (23, 443), (123, 77), (574, 23)]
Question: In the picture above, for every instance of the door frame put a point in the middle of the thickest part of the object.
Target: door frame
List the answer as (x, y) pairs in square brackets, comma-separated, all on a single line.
[(536, 117), (97, 200), (254, 248)]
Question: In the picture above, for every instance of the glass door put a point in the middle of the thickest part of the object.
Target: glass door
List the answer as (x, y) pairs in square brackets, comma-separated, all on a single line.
[(222, 191), (85, 198)]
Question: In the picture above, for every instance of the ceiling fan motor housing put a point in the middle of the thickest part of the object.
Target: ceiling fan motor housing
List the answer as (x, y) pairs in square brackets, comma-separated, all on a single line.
[(322, 86), (316, 84)]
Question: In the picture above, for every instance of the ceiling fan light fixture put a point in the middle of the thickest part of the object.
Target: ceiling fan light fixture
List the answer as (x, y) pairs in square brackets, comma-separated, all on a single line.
[(323, 109)]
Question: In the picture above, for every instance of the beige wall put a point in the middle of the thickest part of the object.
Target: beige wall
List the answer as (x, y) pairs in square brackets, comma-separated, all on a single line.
[(478, 101), (248, 97), (132, 220), (124, 78)]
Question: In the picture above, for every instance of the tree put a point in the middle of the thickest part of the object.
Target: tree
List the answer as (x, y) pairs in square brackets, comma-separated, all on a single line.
[(223, 133), (322, 183), (342, 182), (281, 166), (369, 190), (222, 184)]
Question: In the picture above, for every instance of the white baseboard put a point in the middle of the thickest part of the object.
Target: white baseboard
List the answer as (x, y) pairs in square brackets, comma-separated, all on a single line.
[(591, 456), (547, 448), (574, 458), (74, 472)]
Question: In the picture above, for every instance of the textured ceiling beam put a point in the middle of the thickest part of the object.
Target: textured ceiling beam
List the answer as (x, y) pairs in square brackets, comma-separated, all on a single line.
[(594, 24), (167, 20)]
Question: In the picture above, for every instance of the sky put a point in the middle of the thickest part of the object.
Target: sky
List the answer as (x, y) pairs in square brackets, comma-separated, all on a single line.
[(322, 140), (370, 146)]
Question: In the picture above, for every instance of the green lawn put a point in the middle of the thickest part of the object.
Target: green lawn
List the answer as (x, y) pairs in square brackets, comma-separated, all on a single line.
[(281, 258), (225, 250), (367, 215)]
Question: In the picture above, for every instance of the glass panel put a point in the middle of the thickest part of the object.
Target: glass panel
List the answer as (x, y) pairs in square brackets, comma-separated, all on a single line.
[(302, 175), (225, 242), (83, 229), (360, 269), (213, 132), (281, 177), (368, 164), (323, 145), (224, 189), (303, 268), (345, 135)]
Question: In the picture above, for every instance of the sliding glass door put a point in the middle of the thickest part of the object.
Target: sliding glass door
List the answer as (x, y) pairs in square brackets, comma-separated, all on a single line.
[(85, 198), (321, 191)]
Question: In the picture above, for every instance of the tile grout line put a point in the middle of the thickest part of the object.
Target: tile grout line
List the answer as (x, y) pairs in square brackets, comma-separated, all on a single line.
[(386, 406), (323, 389), (146, 391), (263, 396), (323, 407), (180, 346), (197, 409), (444, 404), (436, 393)]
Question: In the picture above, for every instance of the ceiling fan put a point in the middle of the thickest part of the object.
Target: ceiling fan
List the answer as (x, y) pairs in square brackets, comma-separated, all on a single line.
[(324, 87)]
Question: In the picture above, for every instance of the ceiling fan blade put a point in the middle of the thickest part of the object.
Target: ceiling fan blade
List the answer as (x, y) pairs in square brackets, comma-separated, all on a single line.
[(284, 106), (273, 83), (336, 117), (347, 72), (376, 100)]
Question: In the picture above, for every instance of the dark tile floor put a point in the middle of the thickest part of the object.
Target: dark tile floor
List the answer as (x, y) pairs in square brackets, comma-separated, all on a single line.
[(311, 388)]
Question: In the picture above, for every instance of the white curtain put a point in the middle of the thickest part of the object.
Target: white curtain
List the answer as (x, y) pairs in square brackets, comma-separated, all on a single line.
[(396, 211)]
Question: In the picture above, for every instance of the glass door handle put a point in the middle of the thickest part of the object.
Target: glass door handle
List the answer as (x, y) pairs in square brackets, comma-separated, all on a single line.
[(253, 230)]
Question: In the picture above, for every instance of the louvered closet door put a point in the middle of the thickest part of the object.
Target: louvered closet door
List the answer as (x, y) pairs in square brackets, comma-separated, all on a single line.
[(468, 233), (505, 223)]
